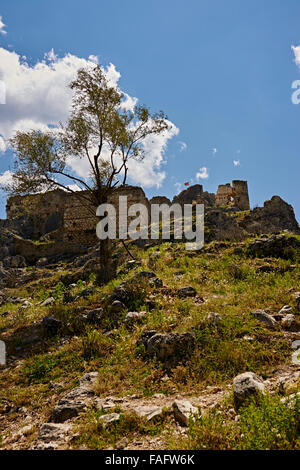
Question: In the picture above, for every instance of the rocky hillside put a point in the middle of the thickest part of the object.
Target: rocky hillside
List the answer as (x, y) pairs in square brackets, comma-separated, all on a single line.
[(183, 350)]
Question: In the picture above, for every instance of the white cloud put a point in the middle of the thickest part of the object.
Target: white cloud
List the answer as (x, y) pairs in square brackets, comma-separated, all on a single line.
[(178, 186), (74, 187), (236, 162), (37, 97), (214, 151), (202, 173), (2, 145), (148, 172), (2, 26), (6, 178), (50, 56), (94, 59), (296, 51), (182, 146)]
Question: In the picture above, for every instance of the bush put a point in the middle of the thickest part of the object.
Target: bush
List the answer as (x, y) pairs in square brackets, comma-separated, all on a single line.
[(95, 344), (273, 425)]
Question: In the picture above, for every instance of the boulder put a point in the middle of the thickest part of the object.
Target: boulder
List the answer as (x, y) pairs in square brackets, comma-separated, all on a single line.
[(245, 386), (109, 419), (134, 317), (52, 435), (95, 316), (275, 246), (49, 301), (51, 326), (149, 412), (183, 411), (168, 348), (187, 291), (265, 318), (288, 321), (117, 306)]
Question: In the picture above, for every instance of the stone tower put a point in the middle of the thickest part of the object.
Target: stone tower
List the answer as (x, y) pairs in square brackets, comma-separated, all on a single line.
[(237, 193), (241, 195)]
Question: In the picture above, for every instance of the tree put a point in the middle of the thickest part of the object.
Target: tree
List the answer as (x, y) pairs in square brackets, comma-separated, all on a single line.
[(100, 130)]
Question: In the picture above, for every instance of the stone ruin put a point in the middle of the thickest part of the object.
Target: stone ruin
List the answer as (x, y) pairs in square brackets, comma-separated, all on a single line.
[(236, 193), (62, 216), (57, 222)]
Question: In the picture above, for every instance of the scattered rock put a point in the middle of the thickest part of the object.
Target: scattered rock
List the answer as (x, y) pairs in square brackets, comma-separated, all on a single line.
[(109, 419), (41, 262), (51, 326), (49, 301), (285, 309), (95, 316), (122, 444), (148, 411), (65, 410), (296, 357), (168, 348), (265, 318), (296, 344), (51, 435), (214, 318), (117, 306), (277, 246), (288, 321), (183, 411), (134, 317), (76, 400), (120, 293), (188, 291), (246, 385), (26, 304), (297, 298), (89, 379)]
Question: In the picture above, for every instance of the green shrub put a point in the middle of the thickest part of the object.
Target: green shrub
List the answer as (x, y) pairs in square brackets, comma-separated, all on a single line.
[(273, 425)]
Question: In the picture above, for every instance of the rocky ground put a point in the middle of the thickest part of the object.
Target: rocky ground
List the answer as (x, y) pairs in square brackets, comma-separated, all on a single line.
[(182, 350)]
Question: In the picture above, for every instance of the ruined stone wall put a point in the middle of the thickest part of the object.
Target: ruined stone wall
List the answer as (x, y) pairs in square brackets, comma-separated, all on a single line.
[(80, 219), (73, 221), (37, 214), (236, 194), (240, 189), (79, 224), (224, 194)]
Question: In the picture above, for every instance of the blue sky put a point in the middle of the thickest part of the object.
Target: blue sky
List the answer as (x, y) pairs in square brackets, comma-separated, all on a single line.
[(221, 70)]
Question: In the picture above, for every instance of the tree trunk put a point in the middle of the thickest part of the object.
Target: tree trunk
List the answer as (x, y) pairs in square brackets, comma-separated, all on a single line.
[(107, 269)]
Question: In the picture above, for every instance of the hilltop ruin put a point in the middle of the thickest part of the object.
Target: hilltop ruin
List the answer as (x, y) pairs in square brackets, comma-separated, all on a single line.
[(57, 223), (57, 211)]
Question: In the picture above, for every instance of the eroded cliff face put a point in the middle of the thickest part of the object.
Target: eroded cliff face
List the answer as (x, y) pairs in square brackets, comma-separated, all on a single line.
[(276, 215)]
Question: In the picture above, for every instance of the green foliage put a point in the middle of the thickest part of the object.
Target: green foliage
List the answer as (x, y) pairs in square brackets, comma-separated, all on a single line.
[(94, 435), (273, 425), (96, 345), (37, 370), (42, 368)]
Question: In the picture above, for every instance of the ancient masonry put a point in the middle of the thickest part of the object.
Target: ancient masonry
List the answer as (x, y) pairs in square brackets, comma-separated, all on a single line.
[(61, 216), (238, 193)]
